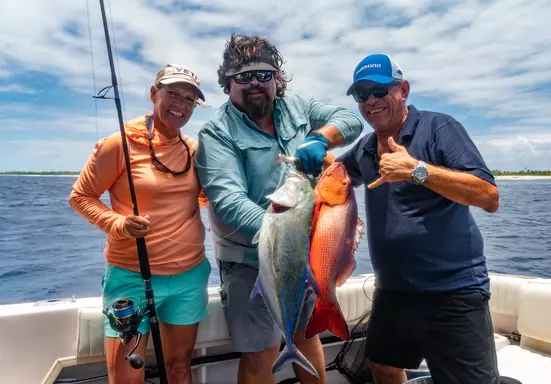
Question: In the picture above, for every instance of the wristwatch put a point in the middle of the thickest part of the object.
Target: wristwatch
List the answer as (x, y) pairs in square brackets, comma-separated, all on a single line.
[(420, 172)]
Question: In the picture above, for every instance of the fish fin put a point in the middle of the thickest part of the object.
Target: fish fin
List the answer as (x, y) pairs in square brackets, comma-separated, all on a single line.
[(351, 265), (291, 354), (315, 216), (257, 289), (256, 238), (347, 271), (311, 281), (328, 317), (360, 231)]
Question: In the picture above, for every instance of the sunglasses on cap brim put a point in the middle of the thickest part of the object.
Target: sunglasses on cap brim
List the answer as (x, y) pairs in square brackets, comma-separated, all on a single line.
[(379, 91), (247, 77)]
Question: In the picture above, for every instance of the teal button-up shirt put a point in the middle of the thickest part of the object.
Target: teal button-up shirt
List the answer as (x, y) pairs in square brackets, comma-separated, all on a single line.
[(237, 166)]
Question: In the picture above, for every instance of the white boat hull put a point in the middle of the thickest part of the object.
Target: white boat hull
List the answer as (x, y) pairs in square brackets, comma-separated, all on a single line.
[(41, 342)]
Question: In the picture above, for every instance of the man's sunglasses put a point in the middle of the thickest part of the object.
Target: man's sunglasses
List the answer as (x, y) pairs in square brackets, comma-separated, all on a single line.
[(247, 77), (380, 91)]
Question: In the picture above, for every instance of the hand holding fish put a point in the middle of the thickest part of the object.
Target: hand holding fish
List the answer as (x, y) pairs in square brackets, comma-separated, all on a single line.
[(136, 226), (395, 166), (328, 160)]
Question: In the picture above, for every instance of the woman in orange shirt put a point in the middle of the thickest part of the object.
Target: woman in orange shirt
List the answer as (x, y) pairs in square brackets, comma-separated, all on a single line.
[(167, 192)]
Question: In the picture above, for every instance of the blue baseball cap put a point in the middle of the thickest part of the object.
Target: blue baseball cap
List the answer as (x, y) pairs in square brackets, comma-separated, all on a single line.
[(378, 68)]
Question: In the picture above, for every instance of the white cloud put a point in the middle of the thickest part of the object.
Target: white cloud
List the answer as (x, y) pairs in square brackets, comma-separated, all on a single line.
[(490, 56), (515, 152), (15, 88)]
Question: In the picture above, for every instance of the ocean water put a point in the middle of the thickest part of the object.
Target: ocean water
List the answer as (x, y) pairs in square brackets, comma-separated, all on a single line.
[(48, 251)]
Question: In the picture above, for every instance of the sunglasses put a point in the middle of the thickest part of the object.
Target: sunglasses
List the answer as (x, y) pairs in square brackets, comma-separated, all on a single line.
[(247, 77), (362, 94), (155, 160)]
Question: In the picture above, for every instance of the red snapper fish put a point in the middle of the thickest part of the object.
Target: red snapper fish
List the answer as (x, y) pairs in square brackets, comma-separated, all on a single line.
[(335, 234)]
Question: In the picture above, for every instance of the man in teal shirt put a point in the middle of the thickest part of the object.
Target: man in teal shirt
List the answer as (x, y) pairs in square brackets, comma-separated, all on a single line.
[(237, 167)]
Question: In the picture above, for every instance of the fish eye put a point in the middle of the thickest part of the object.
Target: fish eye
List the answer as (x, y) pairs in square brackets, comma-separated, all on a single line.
[(345, 183)]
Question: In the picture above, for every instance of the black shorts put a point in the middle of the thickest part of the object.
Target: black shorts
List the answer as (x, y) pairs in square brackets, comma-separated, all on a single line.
[(453, 332)]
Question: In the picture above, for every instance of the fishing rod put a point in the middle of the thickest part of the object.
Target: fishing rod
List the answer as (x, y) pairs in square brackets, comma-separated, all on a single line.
[(124, 318)]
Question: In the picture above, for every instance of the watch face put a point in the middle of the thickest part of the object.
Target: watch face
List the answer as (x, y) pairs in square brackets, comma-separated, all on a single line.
[(421, 173)]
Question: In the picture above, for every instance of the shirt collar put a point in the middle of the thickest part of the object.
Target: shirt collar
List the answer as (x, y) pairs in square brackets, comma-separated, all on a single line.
[(235, 111), (410, 125)]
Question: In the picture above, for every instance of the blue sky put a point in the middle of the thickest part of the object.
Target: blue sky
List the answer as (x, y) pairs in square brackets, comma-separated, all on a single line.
[(487, 63)]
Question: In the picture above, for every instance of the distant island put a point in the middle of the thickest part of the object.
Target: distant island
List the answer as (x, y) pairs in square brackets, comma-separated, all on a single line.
[(526, 172), (496, 172)]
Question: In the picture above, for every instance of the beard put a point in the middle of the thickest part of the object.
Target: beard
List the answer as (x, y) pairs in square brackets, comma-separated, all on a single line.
[(259, 106)]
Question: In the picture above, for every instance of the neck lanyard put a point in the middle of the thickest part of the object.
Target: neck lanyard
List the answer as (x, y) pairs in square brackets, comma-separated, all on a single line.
[(156, 162)]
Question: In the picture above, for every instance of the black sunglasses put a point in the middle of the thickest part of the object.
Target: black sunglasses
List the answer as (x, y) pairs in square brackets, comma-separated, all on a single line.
[(156, 162), (247, 77), (379, 91)]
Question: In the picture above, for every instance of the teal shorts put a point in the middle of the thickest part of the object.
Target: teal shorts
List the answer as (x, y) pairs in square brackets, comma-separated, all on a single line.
[(179, 299)]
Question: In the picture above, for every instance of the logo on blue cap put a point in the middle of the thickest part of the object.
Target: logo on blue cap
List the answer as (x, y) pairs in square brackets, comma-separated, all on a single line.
[(378, 68)]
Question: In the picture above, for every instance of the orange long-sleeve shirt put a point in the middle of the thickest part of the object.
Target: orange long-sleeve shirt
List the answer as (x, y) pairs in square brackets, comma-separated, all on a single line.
[(176, 241)]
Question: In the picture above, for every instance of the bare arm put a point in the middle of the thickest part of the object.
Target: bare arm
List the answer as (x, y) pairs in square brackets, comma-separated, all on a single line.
[(333, 136), (463, 188), (458, 186), (338, 125), (463, 175)]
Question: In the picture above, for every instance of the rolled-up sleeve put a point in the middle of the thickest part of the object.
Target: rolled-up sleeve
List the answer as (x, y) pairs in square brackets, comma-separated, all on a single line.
[(348, 123), (221, 174), (455, 150)]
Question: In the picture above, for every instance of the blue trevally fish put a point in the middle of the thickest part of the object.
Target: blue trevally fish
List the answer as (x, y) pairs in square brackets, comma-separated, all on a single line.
[(284, 269)]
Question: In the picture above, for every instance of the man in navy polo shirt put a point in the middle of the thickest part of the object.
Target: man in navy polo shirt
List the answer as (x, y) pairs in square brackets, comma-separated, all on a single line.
[(421, 173)]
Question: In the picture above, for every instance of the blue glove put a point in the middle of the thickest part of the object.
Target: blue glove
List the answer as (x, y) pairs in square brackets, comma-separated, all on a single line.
[(311, 153)]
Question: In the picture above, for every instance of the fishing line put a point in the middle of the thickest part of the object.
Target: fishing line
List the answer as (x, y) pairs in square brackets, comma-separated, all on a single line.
[(117, 60), (102, 235), (235, 230), (122, 100), (93, 66), (124, 109), (130, 330)]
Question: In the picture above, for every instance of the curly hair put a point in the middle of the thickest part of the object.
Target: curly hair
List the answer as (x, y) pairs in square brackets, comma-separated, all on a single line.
[(241, 49)]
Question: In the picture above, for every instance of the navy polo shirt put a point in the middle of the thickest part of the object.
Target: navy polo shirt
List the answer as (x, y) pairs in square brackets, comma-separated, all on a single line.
[(418, 239)]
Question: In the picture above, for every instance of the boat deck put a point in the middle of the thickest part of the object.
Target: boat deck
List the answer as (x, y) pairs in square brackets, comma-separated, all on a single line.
[(515, 362), (62, 341), (224, 372)]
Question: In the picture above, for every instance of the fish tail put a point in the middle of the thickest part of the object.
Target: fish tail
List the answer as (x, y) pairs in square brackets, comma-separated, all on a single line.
[(291, 354), (328, 317)]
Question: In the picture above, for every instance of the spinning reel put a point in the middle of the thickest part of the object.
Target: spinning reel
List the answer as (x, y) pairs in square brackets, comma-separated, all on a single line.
[(125, 320)]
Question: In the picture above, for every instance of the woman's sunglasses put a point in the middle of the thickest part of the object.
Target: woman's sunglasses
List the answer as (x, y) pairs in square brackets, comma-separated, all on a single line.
[(247, 77), (380, 91), (155, 160)]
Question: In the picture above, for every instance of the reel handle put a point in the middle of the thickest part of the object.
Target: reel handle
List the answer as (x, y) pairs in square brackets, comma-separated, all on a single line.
[(135, 360), (125, 320)]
